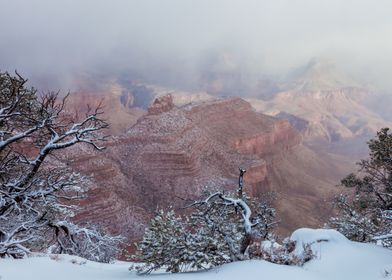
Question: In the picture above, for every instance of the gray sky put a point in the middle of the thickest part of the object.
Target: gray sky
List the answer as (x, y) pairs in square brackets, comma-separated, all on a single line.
[(55, 39)]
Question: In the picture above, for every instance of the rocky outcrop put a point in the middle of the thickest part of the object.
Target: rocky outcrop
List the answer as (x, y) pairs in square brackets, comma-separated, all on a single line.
[(296, 122), (161, 104), (171, 154)]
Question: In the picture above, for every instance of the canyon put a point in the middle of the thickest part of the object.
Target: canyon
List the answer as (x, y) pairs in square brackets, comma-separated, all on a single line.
[(296, 140), (172, 153)]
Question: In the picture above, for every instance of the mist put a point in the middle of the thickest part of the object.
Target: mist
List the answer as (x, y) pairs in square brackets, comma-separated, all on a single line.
[(173, 42)]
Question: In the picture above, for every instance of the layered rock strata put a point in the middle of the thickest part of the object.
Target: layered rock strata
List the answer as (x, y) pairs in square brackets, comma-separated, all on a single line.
[(172, 153)]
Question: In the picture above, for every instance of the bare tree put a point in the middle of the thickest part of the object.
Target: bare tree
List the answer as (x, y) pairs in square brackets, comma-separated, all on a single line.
[(220, 209), (37, 193)]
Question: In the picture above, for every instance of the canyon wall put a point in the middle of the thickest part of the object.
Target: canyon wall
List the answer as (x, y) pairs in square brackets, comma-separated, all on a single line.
[(172, 153)]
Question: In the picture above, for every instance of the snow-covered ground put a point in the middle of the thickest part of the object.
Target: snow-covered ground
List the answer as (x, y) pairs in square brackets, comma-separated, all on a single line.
[(336, 259)]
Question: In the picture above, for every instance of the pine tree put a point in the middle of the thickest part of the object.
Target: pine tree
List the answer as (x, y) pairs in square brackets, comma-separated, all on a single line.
[(220, 229), (365, 215), (162, 243)]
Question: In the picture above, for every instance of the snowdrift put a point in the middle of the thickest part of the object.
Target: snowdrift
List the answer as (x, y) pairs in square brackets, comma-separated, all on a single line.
[(336, 258)]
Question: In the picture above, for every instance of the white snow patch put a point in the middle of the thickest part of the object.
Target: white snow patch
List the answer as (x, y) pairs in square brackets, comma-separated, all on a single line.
[(269, 245)]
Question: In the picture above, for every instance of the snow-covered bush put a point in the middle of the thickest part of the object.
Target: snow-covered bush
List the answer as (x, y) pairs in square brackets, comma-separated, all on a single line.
[(219, 229), (365, 215), (281, 253), (88, 241), (37, 193), (351, 223), (169, 243)]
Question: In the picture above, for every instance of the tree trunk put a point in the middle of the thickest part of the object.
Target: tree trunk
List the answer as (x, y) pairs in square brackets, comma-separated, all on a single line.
[(246, 241)]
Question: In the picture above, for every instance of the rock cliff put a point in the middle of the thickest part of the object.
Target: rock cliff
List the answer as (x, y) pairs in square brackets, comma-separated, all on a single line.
[(172, 152)]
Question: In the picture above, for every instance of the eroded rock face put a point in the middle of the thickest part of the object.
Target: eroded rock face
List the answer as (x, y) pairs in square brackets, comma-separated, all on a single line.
[(325, 104), (171, 154), (161, 104)]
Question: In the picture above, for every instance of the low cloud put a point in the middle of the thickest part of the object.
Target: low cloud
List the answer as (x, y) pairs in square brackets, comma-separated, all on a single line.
[(173, 41)]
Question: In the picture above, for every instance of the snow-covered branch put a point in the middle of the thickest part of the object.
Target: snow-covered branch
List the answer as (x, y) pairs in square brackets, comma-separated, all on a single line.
[(220, 229), (36, 195)]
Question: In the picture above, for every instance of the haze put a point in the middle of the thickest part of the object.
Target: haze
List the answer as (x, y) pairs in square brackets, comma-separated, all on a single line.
[(171, 40)]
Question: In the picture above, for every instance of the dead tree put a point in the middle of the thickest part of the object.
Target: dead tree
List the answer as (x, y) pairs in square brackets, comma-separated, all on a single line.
[(241, 182), (220, 208)]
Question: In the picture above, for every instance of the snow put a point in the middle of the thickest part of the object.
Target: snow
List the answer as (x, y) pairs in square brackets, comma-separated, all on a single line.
[(305, 236), (337, 259), (63, 267), (268, 245)]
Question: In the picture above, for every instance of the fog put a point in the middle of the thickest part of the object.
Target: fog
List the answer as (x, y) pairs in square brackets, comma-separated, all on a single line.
[(56, 43)]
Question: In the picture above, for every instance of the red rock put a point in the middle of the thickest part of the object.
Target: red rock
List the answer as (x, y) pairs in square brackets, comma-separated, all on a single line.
[(171, 153), (161, 104)]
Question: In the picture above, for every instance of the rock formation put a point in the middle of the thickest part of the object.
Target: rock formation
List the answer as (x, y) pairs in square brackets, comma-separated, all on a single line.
[(327, 106), (172, 153)]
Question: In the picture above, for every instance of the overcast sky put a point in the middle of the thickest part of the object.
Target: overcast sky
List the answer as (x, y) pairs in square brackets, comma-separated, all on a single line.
[(54, 39)]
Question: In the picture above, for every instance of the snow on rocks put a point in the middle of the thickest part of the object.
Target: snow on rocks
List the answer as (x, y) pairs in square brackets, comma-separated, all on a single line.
[(269, 245)]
